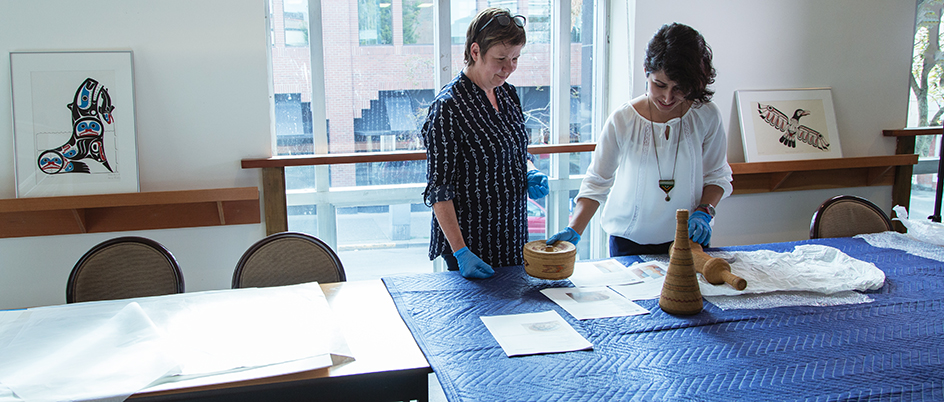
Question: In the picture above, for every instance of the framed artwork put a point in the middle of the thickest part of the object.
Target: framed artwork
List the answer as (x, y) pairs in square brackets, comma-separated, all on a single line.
[(74, 123), (788, 124)]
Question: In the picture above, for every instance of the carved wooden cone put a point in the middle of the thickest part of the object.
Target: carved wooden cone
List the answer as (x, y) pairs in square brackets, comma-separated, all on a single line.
[(680, 292)]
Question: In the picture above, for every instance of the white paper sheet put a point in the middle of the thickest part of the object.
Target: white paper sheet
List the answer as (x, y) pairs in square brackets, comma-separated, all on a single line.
[(651, 274), (601, 273), (534, 333), (587, 303)]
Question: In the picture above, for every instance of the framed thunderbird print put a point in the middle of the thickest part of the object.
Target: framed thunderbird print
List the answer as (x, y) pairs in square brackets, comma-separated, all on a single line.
[(74, 123), (788, 124)]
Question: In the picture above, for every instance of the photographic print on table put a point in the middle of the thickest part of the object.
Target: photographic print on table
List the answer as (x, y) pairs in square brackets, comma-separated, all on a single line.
[(788, 124), (74, 123)]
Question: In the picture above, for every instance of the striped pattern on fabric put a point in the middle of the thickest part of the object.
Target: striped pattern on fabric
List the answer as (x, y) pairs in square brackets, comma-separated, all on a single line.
[(477, 157)]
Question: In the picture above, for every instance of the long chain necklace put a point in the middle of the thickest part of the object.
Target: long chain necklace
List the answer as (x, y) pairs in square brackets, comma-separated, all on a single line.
[(665, 185)]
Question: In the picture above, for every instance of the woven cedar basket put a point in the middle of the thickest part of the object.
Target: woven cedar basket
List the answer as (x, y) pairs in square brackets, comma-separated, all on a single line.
[(549, 262)]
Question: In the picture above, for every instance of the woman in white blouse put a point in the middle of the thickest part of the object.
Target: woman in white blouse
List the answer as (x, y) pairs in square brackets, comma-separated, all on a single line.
[(663, 151)]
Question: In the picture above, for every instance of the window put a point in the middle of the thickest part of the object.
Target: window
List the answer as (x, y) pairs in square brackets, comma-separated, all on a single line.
[(375, 22), (925, 108), (295, 22), (376, 98), (418, 22)]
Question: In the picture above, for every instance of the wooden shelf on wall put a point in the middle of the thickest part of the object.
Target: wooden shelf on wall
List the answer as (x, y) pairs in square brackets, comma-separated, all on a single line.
[(47, 216), (763, 177)]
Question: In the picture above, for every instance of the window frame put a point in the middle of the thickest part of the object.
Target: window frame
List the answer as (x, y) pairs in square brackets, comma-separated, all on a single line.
[(558, 202)]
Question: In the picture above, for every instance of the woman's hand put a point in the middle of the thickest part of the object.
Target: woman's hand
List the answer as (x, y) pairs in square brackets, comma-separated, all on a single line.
[(699, 227), (471, 266), (568, 234), (537, 184)]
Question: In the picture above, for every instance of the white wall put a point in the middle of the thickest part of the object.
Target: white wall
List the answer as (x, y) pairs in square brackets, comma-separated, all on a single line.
[(859, 48), (201, 93)]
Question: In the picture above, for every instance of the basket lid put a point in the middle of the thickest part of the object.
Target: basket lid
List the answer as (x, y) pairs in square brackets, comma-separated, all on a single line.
[(541, 247)]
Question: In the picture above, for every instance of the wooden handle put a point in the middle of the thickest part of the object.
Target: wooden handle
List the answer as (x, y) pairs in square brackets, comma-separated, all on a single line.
[(736, 281), (715, 270)]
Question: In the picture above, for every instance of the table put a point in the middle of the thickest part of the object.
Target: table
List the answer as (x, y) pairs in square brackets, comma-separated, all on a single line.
[(890, 349), (388, 365)]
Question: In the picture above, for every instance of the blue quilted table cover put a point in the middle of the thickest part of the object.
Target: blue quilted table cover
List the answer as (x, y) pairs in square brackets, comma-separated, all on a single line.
[(889, 350)]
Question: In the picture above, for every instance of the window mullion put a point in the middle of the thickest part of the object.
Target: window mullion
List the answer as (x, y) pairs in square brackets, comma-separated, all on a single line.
[(557, 202), (319, 129), (442, 43), (600, 72), (327, 218), (597, 239)]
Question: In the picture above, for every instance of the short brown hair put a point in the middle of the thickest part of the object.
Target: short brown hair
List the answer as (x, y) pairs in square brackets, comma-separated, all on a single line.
[(494, 33)]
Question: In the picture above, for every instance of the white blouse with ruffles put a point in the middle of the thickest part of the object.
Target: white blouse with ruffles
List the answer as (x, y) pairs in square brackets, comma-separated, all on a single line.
[(624, 178)]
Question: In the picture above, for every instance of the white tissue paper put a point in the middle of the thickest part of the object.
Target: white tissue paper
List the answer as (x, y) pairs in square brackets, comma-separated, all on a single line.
[(810, 275), (921, 230), (809, 267), (106, 360)]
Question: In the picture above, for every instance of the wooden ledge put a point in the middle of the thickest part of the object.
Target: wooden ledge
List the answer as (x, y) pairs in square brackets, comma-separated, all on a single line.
[(759, 177), (46, 216), (912, 131), (823, 164)]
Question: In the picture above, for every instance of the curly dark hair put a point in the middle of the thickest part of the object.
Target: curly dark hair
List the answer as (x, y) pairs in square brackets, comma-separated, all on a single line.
[(494, 33), (682, 54)]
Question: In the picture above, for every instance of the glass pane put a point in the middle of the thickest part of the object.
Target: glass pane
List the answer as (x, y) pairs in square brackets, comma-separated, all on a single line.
[(581, 101), (296, 23), (290, 76), (924, 186), (533, 76), (384, 240), (537, 219), (396, 172), (374, 22), (462, 12), (923, 190), (418, 22)]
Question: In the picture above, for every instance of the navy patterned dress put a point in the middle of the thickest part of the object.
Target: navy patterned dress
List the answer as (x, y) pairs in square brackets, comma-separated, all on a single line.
[(477, 157)]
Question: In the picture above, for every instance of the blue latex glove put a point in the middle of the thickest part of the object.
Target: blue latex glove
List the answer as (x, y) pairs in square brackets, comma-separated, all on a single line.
[(568, 234), (471, 266), (537, 184), (699, 228)]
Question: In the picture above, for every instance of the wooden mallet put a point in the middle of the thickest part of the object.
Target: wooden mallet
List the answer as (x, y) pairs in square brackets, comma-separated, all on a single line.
[(715, 270)]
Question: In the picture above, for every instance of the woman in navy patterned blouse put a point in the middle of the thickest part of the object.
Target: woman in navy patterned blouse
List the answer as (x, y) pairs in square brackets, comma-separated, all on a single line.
[(479, 172)]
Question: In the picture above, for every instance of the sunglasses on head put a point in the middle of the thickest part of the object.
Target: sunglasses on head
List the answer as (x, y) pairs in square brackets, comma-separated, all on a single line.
[(504, 20)]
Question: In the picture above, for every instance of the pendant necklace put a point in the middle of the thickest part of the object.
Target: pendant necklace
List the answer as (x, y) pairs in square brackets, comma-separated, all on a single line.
[(665, 185)]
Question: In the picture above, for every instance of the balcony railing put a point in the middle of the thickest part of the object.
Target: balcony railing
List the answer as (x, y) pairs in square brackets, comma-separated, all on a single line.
[(748, 178)]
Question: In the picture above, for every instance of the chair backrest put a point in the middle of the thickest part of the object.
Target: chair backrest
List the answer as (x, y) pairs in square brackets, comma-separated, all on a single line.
[(122, 268), (847, 216), (287, 258)]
